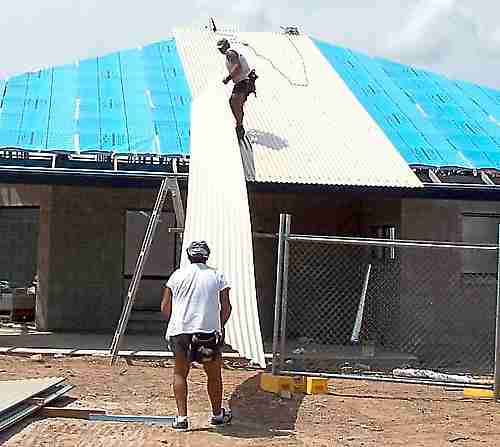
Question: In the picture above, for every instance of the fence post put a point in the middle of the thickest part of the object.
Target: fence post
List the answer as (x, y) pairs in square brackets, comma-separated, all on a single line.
[(277, 300), (497, 325), (284, 286)]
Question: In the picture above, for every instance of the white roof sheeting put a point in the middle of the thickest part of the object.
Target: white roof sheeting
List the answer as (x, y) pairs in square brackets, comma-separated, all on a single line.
[(305, 125), (14, 392), (217, 211)]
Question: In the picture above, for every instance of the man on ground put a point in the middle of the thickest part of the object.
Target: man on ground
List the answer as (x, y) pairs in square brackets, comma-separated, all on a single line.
[(197, 306)]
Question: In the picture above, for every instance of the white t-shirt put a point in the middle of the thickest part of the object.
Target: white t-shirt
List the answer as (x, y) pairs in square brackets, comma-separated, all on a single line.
[(232, 58), (195, 300)]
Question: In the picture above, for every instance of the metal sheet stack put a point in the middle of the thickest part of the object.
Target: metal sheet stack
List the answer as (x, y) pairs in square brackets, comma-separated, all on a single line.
[(21, 398)]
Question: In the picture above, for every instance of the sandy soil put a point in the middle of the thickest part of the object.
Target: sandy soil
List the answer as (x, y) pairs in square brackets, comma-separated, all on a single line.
[(353, 414)]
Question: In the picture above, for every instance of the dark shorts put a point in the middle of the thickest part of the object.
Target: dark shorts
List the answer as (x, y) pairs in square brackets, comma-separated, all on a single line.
[(242, 89), (180, 345)]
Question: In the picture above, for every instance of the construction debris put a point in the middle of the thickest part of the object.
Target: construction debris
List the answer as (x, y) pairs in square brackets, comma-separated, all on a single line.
[(73, 413), (427, 374), (131, 418), (13, 392), (21, 398)]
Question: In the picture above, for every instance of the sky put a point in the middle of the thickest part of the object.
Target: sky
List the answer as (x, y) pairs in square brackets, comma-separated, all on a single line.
[(458, 38)]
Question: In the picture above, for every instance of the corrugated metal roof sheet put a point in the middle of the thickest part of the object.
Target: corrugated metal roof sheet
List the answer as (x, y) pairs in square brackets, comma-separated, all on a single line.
[(13, 392), (432, 120), (217, 211), (134, 101), (305, 125)]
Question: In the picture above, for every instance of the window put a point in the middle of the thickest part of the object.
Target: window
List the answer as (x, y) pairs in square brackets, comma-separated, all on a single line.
[(384, 232), (19, 229)]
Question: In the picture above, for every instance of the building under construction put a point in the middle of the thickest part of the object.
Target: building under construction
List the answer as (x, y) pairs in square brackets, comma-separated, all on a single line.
[(348, 144)]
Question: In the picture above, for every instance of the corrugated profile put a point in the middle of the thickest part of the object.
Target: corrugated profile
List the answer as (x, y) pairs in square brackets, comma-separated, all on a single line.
[(217, 211), (305, 125)]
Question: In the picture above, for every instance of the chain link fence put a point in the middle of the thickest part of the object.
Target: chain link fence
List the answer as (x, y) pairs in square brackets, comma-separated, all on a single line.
[(368, 306)]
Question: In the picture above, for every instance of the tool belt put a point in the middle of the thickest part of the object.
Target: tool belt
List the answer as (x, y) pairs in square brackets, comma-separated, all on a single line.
[(205, 347), (252, 77)]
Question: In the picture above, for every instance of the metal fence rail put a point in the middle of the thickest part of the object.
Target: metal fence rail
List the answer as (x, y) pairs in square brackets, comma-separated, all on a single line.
[(365, 307)]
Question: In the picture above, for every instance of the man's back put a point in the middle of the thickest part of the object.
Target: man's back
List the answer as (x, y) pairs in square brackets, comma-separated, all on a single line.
[(196, 304), (195, 300)]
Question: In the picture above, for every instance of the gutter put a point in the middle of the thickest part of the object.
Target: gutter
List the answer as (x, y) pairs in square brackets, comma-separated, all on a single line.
[(94, 173), (461, 187), (147, 175)]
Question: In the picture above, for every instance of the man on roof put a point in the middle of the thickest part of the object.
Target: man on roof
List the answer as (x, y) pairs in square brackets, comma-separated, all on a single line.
[(244, 82)]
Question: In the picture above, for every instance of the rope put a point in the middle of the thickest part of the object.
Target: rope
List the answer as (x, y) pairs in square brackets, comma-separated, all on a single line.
[(233, 38)]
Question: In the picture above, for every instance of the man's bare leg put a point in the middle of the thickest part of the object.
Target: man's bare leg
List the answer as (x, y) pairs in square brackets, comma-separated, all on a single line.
[(214, 384), (236, 102), (181, 371)]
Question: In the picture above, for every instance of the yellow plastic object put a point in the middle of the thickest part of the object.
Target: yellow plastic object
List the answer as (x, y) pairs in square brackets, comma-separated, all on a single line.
[(478, 393), (316, 385), (295, 385), (282, 384)]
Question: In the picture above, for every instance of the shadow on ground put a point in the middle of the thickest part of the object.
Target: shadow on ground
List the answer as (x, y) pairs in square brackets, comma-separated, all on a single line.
[(258, 414)]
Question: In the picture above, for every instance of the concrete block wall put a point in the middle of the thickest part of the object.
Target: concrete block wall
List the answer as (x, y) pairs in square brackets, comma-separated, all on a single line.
[(80, 250), (85, 260), (86, 244), (454, 312)]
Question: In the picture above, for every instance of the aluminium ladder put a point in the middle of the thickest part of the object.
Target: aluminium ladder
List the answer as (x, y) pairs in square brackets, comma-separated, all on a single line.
[(168, 184)]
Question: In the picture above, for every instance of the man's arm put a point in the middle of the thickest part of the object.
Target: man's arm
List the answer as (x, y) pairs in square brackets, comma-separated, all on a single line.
[(166, 303), (225, 306), (234, 60)]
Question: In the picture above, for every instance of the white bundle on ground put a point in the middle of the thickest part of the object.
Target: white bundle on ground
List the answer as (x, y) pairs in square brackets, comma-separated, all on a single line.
[(432, 375)]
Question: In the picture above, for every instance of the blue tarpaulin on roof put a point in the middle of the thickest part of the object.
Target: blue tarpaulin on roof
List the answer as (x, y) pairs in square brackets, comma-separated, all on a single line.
[(430, 119), (136, 101)]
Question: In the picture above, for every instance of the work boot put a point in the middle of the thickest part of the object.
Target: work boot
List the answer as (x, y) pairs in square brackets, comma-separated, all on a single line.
[(240, 132), (224, 418)]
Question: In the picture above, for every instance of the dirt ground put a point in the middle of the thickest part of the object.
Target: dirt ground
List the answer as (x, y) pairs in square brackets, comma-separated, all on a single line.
[(353, 414)]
